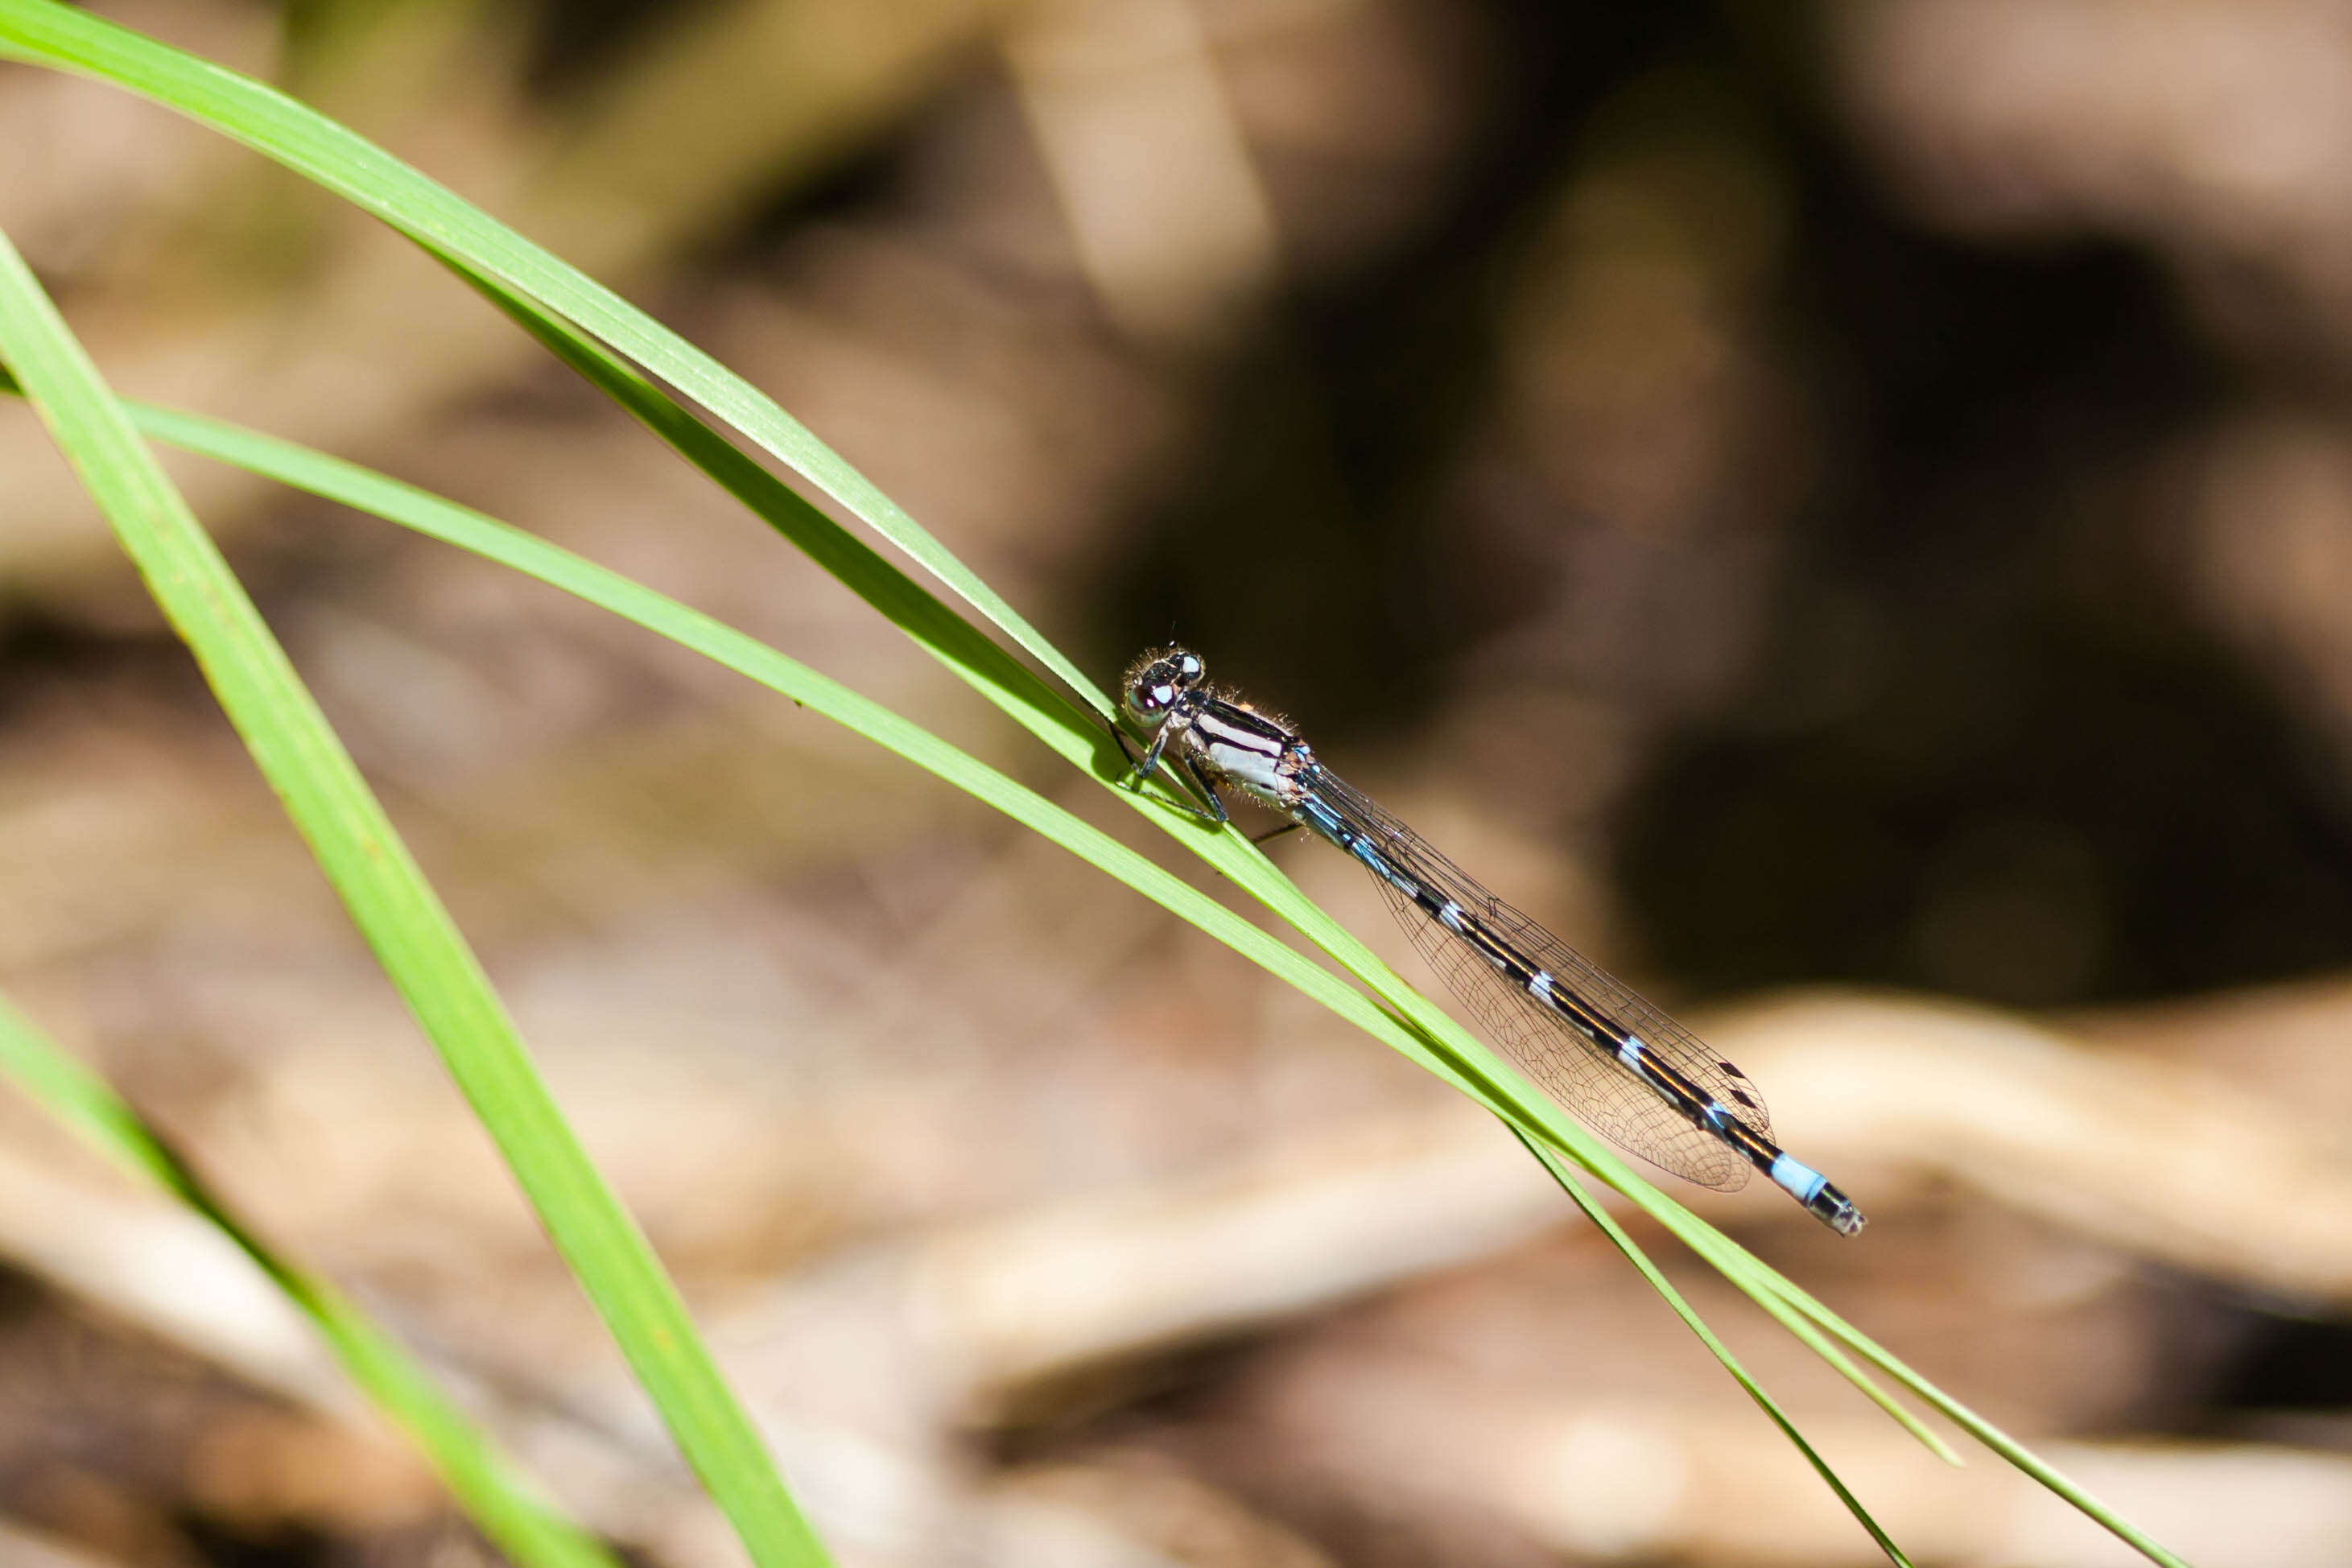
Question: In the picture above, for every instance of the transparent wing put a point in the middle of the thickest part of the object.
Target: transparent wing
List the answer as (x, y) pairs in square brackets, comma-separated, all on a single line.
[(1583, 1075)]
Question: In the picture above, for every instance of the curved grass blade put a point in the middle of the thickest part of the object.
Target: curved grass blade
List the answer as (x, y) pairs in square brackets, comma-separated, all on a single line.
[(993, 673), (1433, 1036), (958, 644), (1976, 1426), (866, 572), (44, 32), (1657, 1281), (507, 1509), (349, 484), (402, 919), (1793, 1305)]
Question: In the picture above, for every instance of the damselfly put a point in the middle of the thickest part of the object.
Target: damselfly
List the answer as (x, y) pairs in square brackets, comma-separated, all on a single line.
[(1606, 1055)]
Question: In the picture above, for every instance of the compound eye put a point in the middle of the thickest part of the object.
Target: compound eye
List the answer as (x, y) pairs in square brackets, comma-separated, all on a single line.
[(1151, 692)]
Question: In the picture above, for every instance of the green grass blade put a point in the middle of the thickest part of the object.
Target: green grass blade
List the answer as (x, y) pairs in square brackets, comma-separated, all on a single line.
[(1786, 1301), (1019, 693), (1657, 1281), (1014, 689), (972, 657), (1424, 1032), (1802, 1328), (44, 32), (1976, 1426), (334, 479), (992, 673), (507, 1509), (352, 485), (399, 915)]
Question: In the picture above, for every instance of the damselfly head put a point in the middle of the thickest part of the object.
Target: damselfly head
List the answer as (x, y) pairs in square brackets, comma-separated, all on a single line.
[(1157, 680)]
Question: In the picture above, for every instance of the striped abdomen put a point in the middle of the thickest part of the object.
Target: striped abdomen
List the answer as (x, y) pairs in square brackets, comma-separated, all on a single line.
[(1558, 1001)]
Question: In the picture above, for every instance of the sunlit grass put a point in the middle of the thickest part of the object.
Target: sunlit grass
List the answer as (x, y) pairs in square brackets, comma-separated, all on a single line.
[(600, 336), (477, 1475), (388, 899)]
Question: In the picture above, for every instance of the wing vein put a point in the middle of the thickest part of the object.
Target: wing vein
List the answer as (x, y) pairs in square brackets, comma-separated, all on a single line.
[(1583, 1074)]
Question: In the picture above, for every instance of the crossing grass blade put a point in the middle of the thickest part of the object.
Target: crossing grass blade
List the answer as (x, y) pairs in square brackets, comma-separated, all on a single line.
[(557, 302), (398, 913), (962, 648), (506, 1508), (44, 32), (1608, 1227), (1457, 1060), (572, 310), (352, 485)]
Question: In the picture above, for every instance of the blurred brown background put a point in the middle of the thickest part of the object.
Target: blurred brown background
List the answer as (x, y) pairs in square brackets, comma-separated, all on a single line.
[(1843, 510)]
